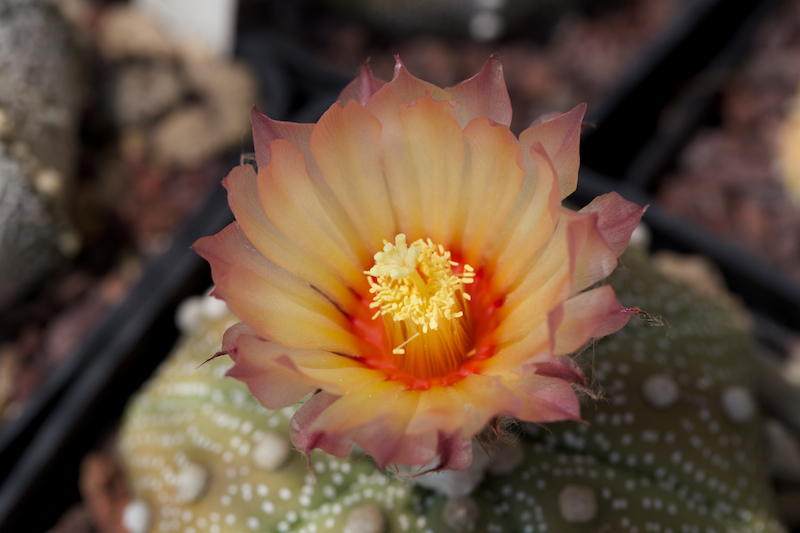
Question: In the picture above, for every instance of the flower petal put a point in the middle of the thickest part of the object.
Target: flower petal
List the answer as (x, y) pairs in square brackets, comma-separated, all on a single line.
[(588, 315), (493, 179), (595, 259), (266, 130), (351, 412), (243, 198), (362, 88), (275, 299), (269, 373), (545, 399), (291, 203), (404, 187), (531, 225), (561, 140), (336, 444), (345, 145), (439, 408), (484, 398), (484, 95), (436, 159), (616, 219)]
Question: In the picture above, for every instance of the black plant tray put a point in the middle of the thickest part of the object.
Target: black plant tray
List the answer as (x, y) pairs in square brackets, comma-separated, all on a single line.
[(40, 452), (771, 295)]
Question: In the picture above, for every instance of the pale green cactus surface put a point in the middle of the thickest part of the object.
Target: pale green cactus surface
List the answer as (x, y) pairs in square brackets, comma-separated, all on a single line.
[(675, 446)]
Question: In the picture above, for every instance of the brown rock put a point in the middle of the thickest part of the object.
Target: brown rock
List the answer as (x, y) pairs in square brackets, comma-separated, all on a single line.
[(103, 489), (125, 32)]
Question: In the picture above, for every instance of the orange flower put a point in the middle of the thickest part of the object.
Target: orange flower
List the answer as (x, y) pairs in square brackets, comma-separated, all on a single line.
[(408, 258)]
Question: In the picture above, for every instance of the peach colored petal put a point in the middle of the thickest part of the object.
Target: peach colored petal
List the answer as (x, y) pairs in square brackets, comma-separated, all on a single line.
[(230, 249), (594, 260), (493, 178), (351, 412), (436, 158), (345, 145), (272, 370), (280, 311), (362, 88), (440, 408), (386, 440), (561, 140), (530, 228), (454, 452), (336, 444), (484, 398), (266, 130), (508, 361), (484, 95), (546, 285), (545, 399), (269, 373), (291, 203), (562, 367), (243, 198), (585, 315), (404, 188), (403, 89), (616, 219)]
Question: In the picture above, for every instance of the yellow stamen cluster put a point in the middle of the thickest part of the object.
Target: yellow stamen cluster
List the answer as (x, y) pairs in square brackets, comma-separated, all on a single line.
[(417, 283), (417, 293)]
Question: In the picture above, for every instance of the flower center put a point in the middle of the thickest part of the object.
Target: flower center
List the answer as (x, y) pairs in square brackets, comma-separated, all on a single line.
[(422, 302)]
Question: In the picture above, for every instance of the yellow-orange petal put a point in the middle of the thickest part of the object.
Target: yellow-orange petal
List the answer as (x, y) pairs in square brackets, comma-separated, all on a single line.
[(436, 159), (386, 438), (230, 248), (547, 284), (243, 197), (440, 408), (484, 397), (291, 203), (351, 412), (509, 359), (345, 145), (531, 225), (404, 188), (278, 310), (493, 178), (484, 95), (561, 140), (256, 359)]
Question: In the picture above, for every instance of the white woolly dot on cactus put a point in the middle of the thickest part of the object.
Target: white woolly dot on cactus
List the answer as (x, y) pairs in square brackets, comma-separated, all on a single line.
[(660, 390), (136, 517)]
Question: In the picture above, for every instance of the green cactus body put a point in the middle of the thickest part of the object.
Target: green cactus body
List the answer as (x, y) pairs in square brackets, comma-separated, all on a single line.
[(674, 448)]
